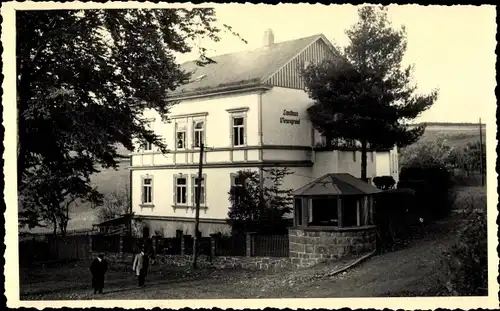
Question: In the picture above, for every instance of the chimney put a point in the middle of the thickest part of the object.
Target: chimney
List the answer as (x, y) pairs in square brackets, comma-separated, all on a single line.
[(268, 39)]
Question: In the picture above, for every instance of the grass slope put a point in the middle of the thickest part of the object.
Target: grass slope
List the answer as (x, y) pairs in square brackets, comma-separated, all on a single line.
[(456, 136)]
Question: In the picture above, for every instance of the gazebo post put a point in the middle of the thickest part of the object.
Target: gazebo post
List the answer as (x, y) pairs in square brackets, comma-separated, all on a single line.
[(339, 211), (370, 211), (358, 212), (305, 212), (366, 209)]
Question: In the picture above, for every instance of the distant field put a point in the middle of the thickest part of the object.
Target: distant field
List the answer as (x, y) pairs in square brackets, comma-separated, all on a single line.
[(455, 135)]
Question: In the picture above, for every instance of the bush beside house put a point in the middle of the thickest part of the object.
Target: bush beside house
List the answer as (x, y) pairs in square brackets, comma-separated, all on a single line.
[(396, 216), (432, 186)]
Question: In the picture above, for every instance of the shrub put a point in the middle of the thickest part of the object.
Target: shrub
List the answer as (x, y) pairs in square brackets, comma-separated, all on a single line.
[(394, 216), (260, 207), (384, 182), (432, 186), (465, 265)]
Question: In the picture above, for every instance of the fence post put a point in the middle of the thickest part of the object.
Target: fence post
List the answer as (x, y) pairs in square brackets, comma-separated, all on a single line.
[(122, 254), (249, 242), (90, 245), (183, 247), (212, 245)]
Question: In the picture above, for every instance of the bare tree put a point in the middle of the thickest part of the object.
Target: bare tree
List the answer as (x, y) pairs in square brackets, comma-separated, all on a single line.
[(115, 204)]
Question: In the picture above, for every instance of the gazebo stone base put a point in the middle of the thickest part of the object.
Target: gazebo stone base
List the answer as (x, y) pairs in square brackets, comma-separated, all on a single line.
[(313, 245)]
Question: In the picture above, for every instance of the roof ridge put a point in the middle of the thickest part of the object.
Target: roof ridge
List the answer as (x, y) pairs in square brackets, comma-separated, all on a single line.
[(255, 49)]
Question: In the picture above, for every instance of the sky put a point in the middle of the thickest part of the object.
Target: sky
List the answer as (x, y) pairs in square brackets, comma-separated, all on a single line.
[(451, 47)]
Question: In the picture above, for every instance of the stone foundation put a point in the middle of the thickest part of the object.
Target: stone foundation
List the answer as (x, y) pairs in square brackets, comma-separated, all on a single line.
[(169, 227), (313, 245)]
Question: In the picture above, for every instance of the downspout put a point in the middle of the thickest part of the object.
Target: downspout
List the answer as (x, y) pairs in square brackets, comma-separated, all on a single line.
[(130, 195), (261, 142), (259, 130)]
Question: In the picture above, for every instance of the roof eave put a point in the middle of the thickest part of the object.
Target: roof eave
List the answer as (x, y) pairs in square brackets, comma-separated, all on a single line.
[(220, 90)]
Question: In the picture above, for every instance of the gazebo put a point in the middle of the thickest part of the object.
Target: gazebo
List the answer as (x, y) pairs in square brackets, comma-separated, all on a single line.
[(333, 217)]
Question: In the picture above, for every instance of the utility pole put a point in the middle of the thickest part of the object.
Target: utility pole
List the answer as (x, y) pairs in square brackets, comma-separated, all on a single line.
[(197, 214), (481, 152)]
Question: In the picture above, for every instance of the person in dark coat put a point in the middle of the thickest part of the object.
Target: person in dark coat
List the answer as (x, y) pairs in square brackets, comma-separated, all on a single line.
[(98, 268)]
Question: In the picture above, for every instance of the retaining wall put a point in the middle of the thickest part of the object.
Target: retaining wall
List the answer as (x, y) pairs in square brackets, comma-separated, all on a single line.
[(310, 246), (219, 262)]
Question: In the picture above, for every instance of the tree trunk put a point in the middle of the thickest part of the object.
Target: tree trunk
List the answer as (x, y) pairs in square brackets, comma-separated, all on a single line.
[(23, 99), (55, 226), (363, 160)]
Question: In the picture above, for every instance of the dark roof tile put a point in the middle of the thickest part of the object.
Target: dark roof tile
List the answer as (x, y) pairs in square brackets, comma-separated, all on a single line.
[(246, 66)]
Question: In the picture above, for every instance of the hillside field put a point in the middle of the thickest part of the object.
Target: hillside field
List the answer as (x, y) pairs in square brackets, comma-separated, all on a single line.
[(456, 135)]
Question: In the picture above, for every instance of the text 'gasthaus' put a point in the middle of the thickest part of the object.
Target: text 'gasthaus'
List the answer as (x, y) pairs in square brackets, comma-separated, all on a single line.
[(290, 113)]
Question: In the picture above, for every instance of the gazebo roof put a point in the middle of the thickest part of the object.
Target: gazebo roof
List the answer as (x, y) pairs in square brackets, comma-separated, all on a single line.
[(336, 184)]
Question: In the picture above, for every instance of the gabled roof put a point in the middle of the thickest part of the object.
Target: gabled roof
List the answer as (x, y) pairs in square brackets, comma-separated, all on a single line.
[(336, 184), (246, 67)]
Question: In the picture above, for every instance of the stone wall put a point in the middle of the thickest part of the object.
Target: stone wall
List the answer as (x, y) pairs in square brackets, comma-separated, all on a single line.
[(219, 262), (310, 246)]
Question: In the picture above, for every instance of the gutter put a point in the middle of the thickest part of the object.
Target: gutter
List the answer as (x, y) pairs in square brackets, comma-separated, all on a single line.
[(220, 91)]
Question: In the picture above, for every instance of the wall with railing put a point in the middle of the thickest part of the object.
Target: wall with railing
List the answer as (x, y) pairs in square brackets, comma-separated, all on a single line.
[(249, 245)]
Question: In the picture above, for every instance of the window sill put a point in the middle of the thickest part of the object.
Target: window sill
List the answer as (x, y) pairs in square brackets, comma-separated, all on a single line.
[(188, 207), (239, 146), (147, 205)]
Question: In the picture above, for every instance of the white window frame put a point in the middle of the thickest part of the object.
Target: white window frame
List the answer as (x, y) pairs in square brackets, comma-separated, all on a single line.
[(238, 113), (198, 133), (240, 131), (143, 190), (176, 186), (180, 128), (194, 186)]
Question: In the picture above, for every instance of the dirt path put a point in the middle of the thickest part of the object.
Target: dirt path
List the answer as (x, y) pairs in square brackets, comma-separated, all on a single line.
[(413, 270)]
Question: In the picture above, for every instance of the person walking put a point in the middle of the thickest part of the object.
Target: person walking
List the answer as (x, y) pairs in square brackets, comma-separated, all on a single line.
[(140, 267), (98, 269)]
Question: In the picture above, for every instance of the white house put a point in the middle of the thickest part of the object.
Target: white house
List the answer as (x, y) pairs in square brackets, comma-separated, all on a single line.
[(249, 109)]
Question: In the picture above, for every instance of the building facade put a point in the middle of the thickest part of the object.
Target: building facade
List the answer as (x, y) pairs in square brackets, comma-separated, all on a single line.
[(249, 111)]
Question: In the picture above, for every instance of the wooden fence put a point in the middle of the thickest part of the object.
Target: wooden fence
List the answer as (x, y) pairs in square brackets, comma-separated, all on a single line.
[(106, 243), (270, 245), (168, 246), (234, 245), (82, 246), (54, 248)]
